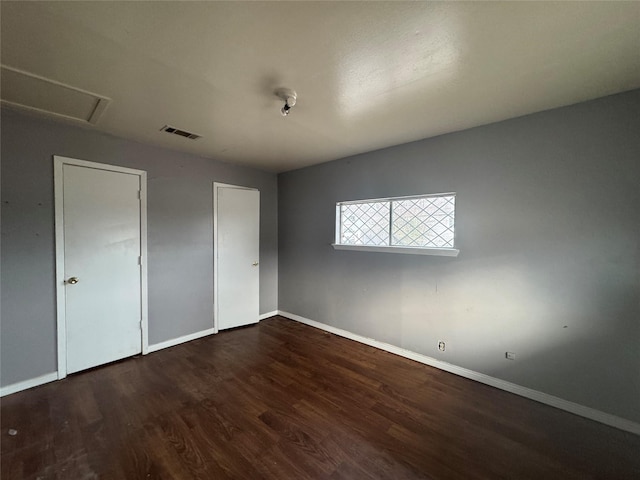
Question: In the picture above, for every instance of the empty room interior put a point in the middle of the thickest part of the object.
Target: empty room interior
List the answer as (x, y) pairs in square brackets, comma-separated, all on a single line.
[(320, 240)]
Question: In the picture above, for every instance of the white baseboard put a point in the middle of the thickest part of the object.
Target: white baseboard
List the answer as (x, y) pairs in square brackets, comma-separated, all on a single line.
[(179, 340), (575, 408), (33, 382), (263, 316), (50, 377)]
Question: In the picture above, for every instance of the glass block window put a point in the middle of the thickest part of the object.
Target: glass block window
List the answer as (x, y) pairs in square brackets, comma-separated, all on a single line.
[(425, 221)]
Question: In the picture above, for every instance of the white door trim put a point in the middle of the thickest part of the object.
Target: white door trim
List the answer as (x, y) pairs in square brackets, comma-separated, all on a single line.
[(58, 179), (217, 185)]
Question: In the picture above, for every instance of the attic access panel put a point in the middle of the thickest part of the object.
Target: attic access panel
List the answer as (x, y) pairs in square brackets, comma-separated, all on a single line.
[(32, 92)]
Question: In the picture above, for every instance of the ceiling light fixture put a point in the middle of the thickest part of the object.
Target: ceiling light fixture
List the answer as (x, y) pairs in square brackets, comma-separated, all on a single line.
[(289, 97)]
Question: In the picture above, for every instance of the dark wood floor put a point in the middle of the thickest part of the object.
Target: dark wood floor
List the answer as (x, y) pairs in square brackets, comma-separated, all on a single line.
[(281, 400)]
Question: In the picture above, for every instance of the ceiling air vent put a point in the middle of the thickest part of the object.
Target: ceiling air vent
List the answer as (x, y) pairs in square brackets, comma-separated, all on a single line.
[(182, 133)]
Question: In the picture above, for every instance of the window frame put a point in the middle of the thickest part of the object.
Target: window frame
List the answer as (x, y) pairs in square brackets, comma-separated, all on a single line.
[(438, 251)]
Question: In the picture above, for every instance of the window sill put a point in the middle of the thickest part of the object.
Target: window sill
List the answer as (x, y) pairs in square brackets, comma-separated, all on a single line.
[(442, 252)]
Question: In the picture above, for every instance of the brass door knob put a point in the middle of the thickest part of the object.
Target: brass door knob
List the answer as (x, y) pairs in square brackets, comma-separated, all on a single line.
[(73, 280), (255, 264)]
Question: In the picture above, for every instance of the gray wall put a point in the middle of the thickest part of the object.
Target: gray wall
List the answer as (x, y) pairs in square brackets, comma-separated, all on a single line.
[(548, 226), (180, 235)]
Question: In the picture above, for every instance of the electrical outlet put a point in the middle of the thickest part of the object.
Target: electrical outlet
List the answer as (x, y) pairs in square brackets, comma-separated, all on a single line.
[(441, 346), (510, 356)]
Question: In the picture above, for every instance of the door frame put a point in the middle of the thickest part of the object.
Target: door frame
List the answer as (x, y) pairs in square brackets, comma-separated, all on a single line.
[(216, 186), (58, 180)]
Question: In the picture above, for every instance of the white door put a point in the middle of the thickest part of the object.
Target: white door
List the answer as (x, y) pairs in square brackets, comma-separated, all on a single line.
[(102, 273), (237, 279)]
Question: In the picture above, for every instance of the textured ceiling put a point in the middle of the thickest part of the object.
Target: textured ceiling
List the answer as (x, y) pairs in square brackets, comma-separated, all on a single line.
[(368, 74)]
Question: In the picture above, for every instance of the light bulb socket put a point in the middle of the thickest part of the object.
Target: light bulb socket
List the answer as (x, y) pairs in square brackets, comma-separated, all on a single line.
[(289, 97)]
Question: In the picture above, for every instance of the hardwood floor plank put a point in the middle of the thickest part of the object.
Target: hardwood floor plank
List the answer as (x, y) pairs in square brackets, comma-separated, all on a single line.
[(281, 400)]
